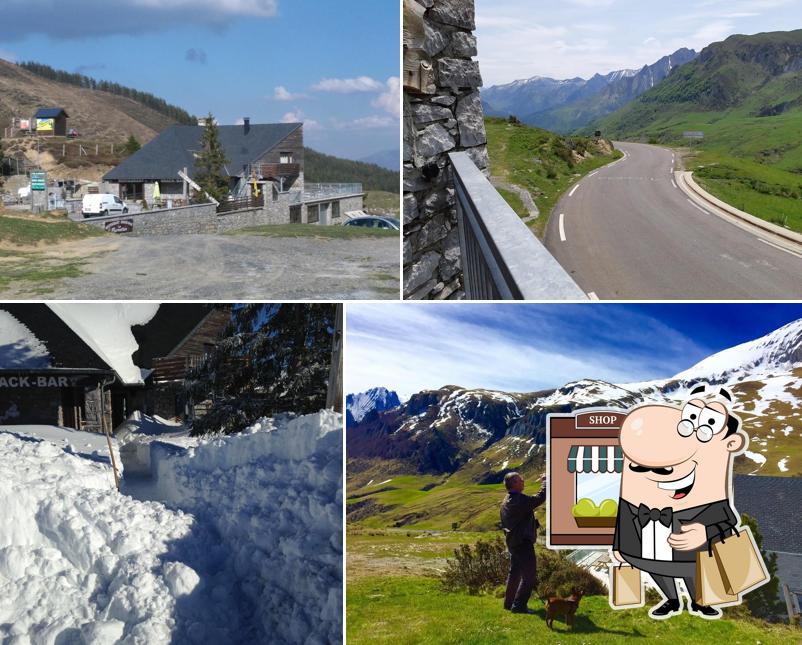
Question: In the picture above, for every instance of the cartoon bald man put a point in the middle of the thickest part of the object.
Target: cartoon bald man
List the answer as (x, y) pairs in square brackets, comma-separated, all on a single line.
[(675, 491)]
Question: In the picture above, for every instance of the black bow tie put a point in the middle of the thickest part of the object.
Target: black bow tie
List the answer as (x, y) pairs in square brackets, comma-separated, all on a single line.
[(646, 515)]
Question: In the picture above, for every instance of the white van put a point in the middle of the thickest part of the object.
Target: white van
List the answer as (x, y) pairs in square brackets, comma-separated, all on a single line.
[(103, 204)]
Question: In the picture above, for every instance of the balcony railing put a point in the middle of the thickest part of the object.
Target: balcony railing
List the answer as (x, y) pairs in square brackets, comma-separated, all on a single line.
[(276, 170), (313, 192), (501, 258)]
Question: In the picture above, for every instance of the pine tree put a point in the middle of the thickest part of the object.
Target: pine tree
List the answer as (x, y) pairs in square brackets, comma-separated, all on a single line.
[(763, 602), (273, 358), (132, 145), (210, 161)]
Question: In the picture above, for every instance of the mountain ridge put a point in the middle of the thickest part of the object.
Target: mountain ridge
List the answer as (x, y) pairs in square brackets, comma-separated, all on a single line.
[(567, 105), (443, 431)]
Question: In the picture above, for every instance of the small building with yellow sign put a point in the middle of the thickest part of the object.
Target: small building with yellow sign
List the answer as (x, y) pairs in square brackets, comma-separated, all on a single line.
[(50, 122)]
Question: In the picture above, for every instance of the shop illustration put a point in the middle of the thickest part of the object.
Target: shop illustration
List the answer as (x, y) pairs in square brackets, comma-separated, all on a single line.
[(584, 472)]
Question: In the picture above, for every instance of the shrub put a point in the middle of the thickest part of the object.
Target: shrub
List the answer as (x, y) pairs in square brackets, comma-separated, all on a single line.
[(557, 574), (479, 568), (764, 601)]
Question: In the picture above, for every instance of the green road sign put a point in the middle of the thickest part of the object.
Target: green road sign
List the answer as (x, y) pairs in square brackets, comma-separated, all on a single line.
[(38, 180)]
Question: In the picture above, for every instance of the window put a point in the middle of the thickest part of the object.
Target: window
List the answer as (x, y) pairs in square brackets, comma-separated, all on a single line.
[(313, 214), (117, 200), (132, 190), (286, 157), (335, 210), (295, 214)]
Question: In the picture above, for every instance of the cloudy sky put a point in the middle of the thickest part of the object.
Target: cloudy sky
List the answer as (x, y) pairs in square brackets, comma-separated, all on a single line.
[(333, 65), (520, 38), (522, 347)]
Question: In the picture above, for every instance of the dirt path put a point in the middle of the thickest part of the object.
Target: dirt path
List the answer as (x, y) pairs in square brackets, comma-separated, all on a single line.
[(525, 196)]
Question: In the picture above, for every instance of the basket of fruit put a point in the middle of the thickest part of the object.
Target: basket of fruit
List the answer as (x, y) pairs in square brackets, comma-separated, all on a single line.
[(588, 515)]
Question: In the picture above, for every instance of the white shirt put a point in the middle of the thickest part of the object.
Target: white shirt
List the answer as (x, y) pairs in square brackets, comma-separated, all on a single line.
[(654, 542)]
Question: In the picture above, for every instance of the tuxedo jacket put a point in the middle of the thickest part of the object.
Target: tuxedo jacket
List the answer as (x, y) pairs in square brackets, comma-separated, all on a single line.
[(518, 519), (628, 532)]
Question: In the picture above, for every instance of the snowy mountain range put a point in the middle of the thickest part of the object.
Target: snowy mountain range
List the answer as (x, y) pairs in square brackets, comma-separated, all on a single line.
[(443, 430), (378, 399), (567, 105)]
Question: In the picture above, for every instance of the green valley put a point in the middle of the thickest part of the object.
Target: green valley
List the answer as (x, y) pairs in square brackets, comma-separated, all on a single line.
[(745, 95)]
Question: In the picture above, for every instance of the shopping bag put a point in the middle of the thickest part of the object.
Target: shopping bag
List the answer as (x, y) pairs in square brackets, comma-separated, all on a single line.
[(626, 589), (740, 562), (711, 586)]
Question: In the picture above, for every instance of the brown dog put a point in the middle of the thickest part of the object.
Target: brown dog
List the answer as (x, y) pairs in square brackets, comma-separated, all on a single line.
[(567, 607)]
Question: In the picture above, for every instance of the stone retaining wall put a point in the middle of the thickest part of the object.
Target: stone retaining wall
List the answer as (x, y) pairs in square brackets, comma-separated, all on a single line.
[(200, 218), (444, 115)]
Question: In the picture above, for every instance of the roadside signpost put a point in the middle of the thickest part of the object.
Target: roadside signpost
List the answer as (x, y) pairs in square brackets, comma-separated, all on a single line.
[(38, 191)]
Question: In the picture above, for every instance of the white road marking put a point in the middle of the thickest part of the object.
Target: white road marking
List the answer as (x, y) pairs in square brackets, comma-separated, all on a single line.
[(781, 248), (695, 205), (593, 173), (592, 295), (562, 227), (673, 183), (571, 194)]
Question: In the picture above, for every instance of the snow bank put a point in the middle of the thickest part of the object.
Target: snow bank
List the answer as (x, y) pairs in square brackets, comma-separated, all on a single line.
[(80, 563), (274, 494), (106, 328), (19, 348)]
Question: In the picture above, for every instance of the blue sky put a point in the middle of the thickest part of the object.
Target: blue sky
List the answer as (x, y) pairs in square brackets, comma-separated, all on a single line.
[(523, 347), (520, 38), (334, 65)]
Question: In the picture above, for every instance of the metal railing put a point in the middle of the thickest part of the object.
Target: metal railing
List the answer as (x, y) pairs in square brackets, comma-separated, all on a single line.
[(322, 191), (501, 258)]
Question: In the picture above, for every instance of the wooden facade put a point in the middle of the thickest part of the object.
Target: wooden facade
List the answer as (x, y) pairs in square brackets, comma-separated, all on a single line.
[(283, 161)]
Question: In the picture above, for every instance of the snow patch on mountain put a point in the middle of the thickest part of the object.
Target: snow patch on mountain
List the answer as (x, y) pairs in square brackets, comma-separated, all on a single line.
[(377, 398)]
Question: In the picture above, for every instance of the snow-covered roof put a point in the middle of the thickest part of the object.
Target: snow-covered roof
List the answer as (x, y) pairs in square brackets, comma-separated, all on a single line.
[(19, 348), (106, 328)]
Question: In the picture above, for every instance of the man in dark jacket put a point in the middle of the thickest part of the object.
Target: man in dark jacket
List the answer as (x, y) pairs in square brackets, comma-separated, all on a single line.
[(519, 524)]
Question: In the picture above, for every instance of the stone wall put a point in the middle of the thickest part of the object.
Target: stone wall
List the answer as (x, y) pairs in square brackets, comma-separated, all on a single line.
[(443, 116), (200, 218)]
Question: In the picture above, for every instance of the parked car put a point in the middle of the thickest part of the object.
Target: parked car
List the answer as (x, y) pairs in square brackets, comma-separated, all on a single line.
[(373, 221), (101, 204), (73, 134)]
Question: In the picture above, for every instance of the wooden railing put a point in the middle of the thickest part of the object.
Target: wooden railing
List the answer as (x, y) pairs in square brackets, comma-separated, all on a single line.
[(239, 203), (276, 170), (501, 257)]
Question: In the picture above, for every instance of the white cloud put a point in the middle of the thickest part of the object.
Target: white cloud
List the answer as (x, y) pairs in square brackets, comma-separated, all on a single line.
[(281, 93), (297, 116), (348, 85), (92, 18), (390, 100), (375, 122)]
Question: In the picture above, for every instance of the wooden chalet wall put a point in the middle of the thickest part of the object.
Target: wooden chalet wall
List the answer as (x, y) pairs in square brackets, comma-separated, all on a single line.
[(293, 144)]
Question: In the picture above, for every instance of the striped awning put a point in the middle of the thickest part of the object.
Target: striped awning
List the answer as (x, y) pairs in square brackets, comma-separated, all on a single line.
[(595, 459)]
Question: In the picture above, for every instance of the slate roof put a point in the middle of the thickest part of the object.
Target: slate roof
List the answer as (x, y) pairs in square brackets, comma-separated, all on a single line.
[(775, 503), (49, 113), (173, 149)]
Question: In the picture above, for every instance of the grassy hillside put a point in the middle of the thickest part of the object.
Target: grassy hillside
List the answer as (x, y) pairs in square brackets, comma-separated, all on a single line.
[(542, 162), (94, 113), (324, 168), (745, 94)]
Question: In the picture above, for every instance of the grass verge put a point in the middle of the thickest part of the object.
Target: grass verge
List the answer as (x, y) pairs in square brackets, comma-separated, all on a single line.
[(383, 202), (27, 231), (542, 162)]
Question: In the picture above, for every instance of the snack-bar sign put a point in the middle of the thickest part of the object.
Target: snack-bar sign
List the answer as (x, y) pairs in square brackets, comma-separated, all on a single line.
[(20, 382), (599, 420)]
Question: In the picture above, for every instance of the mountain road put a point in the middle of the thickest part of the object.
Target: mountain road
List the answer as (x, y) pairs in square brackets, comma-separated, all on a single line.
[(627, 231)]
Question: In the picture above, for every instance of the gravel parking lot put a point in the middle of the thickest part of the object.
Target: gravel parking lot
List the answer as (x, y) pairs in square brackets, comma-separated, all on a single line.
[(230, 267)]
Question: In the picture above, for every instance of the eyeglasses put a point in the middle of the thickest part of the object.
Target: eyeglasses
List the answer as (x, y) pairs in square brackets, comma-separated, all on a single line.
[(703, 433)]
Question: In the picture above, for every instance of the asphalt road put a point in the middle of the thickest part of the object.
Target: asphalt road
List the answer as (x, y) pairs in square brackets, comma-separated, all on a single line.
[(233, 267), (628, 232)]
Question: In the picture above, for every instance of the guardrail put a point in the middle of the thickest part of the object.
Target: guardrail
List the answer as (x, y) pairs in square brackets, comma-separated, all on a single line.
[(321, 191), (501, 258)]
